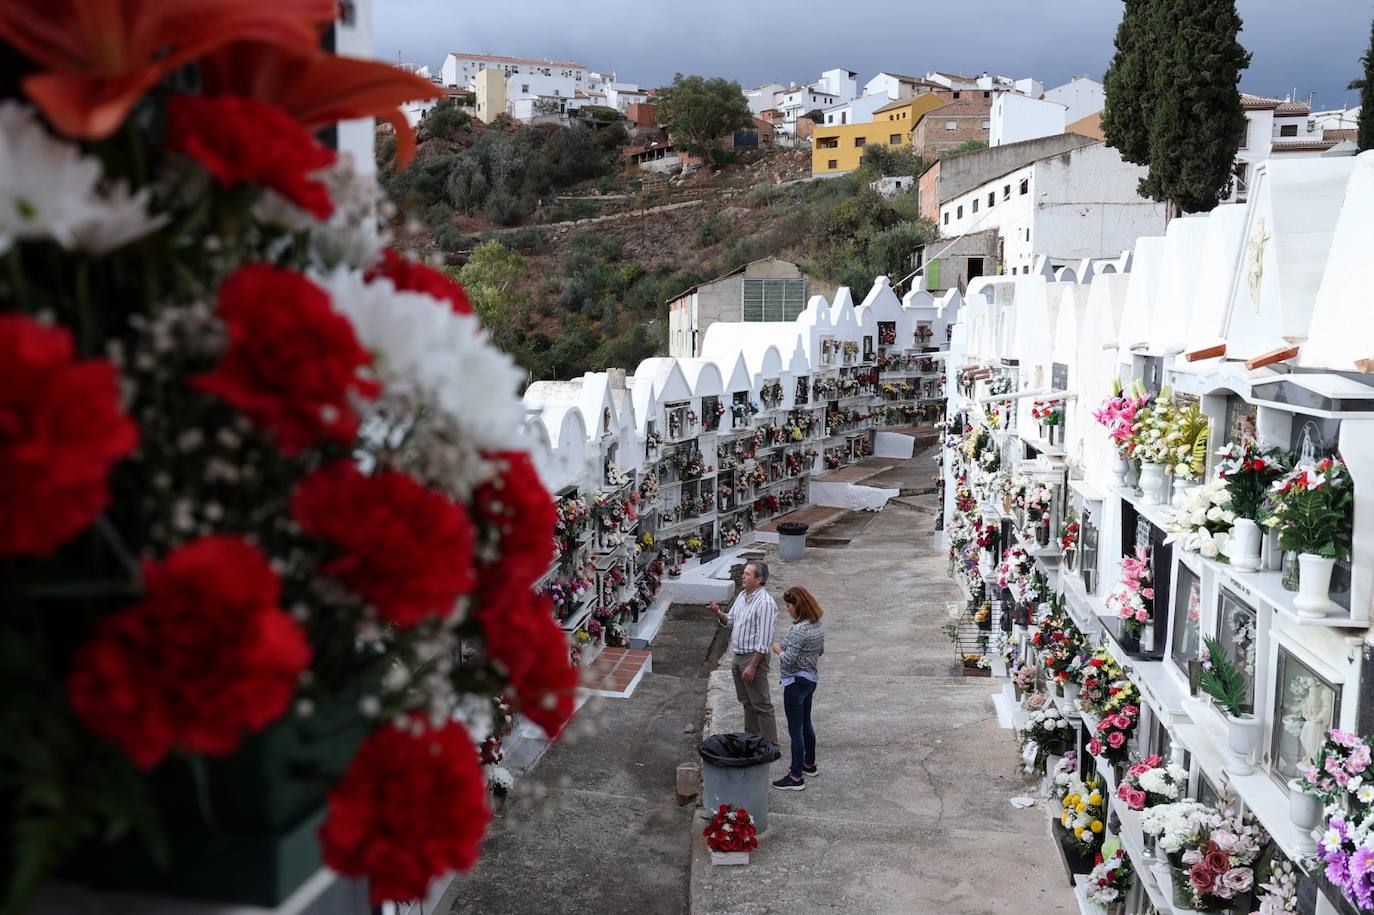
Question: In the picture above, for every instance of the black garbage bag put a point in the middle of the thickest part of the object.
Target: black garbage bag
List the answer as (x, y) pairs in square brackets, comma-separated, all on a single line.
[(793, 528), (738, 750)]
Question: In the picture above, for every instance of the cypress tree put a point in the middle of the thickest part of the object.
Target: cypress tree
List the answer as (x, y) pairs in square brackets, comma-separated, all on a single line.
[(1195, 117), (1127, 83), (1364, 136)]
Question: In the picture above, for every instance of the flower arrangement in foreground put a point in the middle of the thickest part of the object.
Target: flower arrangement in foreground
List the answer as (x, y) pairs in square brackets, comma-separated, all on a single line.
[(732, 829), (1248, 470), (1117, 414), (1339, 776), (1049, 733), (1218, 863), (1082, 811), (1152, 781), (1110, 880), (1203, 524), (1313, 508), (250, 496), (1280, 896), (1014, 572), (1112, 738)]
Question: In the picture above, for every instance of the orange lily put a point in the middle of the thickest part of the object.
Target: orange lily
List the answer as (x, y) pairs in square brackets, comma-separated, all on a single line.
[(98, 57), (320, 90)]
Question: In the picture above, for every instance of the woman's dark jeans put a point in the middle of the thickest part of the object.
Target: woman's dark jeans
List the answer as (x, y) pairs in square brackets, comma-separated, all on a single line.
[(796, 702)]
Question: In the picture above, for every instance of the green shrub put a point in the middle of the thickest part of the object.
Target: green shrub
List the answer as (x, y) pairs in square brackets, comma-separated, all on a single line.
[(711, 231), (449, 239), (762, 195), (527, 238)]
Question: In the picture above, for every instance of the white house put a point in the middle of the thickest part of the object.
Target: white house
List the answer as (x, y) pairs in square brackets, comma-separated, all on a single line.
[(597, 81), (839, 82), (1276, 127), (1016, 117), (896, 85), (796, 101), (460, 69), (531, 96), (621, 96), (856, 111), (1081, 95), (762, 98), (1062, 208)]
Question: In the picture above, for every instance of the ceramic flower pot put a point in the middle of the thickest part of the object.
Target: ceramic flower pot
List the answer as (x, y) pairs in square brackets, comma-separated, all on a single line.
[(1152, 483), (1245, 545), (1314, 585), (1305, 810), (1071, 694), (1242, 740), (729, 857), (1116, 466), (986, 563), (1181, 489)]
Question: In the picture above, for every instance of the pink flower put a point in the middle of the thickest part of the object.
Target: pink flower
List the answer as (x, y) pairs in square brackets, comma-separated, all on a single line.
[(1137, 799), (1095, 747), (1116, 740), (1121, 721)]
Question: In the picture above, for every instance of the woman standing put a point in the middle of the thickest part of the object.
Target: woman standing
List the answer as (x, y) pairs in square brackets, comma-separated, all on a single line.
[(799, 654)]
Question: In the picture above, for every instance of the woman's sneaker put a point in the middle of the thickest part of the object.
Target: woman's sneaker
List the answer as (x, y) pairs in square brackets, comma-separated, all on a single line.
[(810, 771), (787, 783)]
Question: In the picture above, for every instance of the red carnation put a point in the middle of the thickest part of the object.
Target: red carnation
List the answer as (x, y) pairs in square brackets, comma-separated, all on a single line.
[(407, 549), (241, 139), (61, 430), (292, 361), (524, 641), (408, 276), (207, 656), (516, 504), (409, 808)]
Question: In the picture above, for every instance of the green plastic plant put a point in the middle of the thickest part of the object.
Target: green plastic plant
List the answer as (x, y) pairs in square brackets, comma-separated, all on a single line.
[(1222, 680), (1313, 509), (1187, 441)]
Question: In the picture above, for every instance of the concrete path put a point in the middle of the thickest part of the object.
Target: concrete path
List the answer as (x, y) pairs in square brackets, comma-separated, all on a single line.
[(910, 813)]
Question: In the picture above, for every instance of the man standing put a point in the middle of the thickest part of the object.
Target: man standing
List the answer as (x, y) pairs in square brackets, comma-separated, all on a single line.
[(751, 620)]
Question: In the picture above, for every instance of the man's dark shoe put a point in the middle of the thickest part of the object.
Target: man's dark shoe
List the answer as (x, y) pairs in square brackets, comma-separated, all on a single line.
[(788, 783), (810, 771)]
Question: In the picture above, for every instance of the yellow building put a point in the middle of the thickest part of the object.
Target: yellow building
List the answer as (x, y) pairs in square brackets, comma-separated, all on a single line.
[(837, 148), (491, 94)]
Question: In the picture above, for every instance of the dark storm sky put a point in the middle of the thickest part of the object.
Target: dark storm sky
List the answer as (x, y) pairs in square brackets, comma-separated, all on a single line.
[(1311, 46)]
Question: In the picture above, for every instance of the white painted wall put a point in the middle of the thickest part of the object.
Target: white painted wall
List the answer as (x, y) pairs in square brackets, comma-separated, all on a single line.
[(858, 111), (356, 136), (840, 83), (1081, 95), (761, 98), (890, 86), (1017, 117), (461, 69)]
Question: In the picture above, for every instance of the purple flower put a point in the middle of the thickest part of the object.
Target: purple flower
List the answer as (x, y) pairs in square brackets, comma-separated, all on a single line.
[(1361, 862), (1337, 870)]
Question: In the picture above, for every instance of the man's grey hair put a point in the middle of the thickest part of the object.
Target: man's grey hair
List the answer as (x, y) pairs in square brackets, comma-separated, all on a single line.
[(760, 569)]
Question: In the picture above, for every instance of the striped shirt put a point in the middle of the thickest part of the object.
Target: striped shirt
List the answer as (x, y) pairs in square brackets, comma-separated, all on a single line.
[(751, 622)]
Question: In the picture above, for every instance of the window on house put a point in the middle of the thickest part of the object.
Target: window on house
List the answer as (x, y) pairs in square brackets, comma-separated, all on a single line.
[(975, 267), (772, 299), (524, 87), (1006, 192), (832, 163), (860, 141), (987, 94), (992, 200), (960, 213), (975, 204), (894, 139), (1025, 188), (844, 117), (1288, 130), (956, 94), (951, 125), (987, 125), (828, 142), (946, 217)]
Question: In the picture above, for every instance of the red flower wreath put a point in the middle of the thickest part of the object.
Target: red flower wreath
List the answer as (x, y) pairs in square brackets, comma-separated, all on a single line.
[(411, 806), (408, 276), (292, 361), (207, 657), (406, 549), (241, 139), (61, 430)]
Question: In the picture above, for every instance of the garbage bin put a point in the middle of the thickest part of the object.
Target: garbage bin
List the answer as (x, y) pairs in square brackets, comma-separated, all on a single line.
[(791, 539), (734, 771)]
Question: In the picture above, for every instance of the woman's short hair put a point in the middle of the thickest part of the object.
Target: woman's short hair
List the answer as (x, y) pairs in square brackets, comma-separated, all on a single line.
[(802, 599)]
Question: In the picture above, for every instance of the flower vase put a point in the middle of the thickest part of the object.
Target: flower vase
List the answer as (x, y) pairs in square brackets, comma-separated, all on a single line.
[(1152, 483), (1314, 585), (987, 564), (1116, 466), (1305, 810), (1182, 488), (1289, 579), (1132, 474), (1242, 740), (729, 857), (1130, 642), (1245, 545), (1163, 873)]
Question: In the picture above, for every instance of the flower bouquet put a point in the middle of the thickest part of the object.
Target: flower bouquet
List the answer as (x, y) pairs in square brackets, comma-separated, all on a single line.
[(1111, 741), (1202, 523), (1314, 514), (1186, 440), (249, 488), (1110, 880), (1129, 599), (1082, 813), (1048, 412), (1118, 415), (1150, 782), (1049, 733), (1015, 572), (1280, 896), (1347, 841), (1248, 471), (731, 835), (1218, 863)]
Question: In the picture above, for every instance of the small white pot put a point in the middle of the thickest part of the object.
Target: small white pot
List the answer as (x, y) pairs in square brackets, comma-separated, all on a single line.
[(1152, 483), (986, 563), (1314, 585), (1116, 466), (1245, 545), (1181, 489), (1305, 810), (1244, 737), (1071, 694)]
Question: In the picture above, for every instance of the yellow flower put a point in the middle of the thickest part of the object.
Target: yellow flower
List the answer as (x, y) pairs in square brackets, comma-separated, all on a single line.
[(1064, 821), (1095, 798), (1097, 826), (1078, 832), (1080, 807)]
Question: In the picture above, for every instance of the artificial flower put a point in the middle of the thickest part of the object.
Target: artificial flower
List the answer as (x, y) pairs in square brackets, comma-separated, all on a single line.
[(411, 807), (516, 504), (406, 549), (243, 140), (410, 276), (61, 430), (205, 658), (292, 361), (528, 646)]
